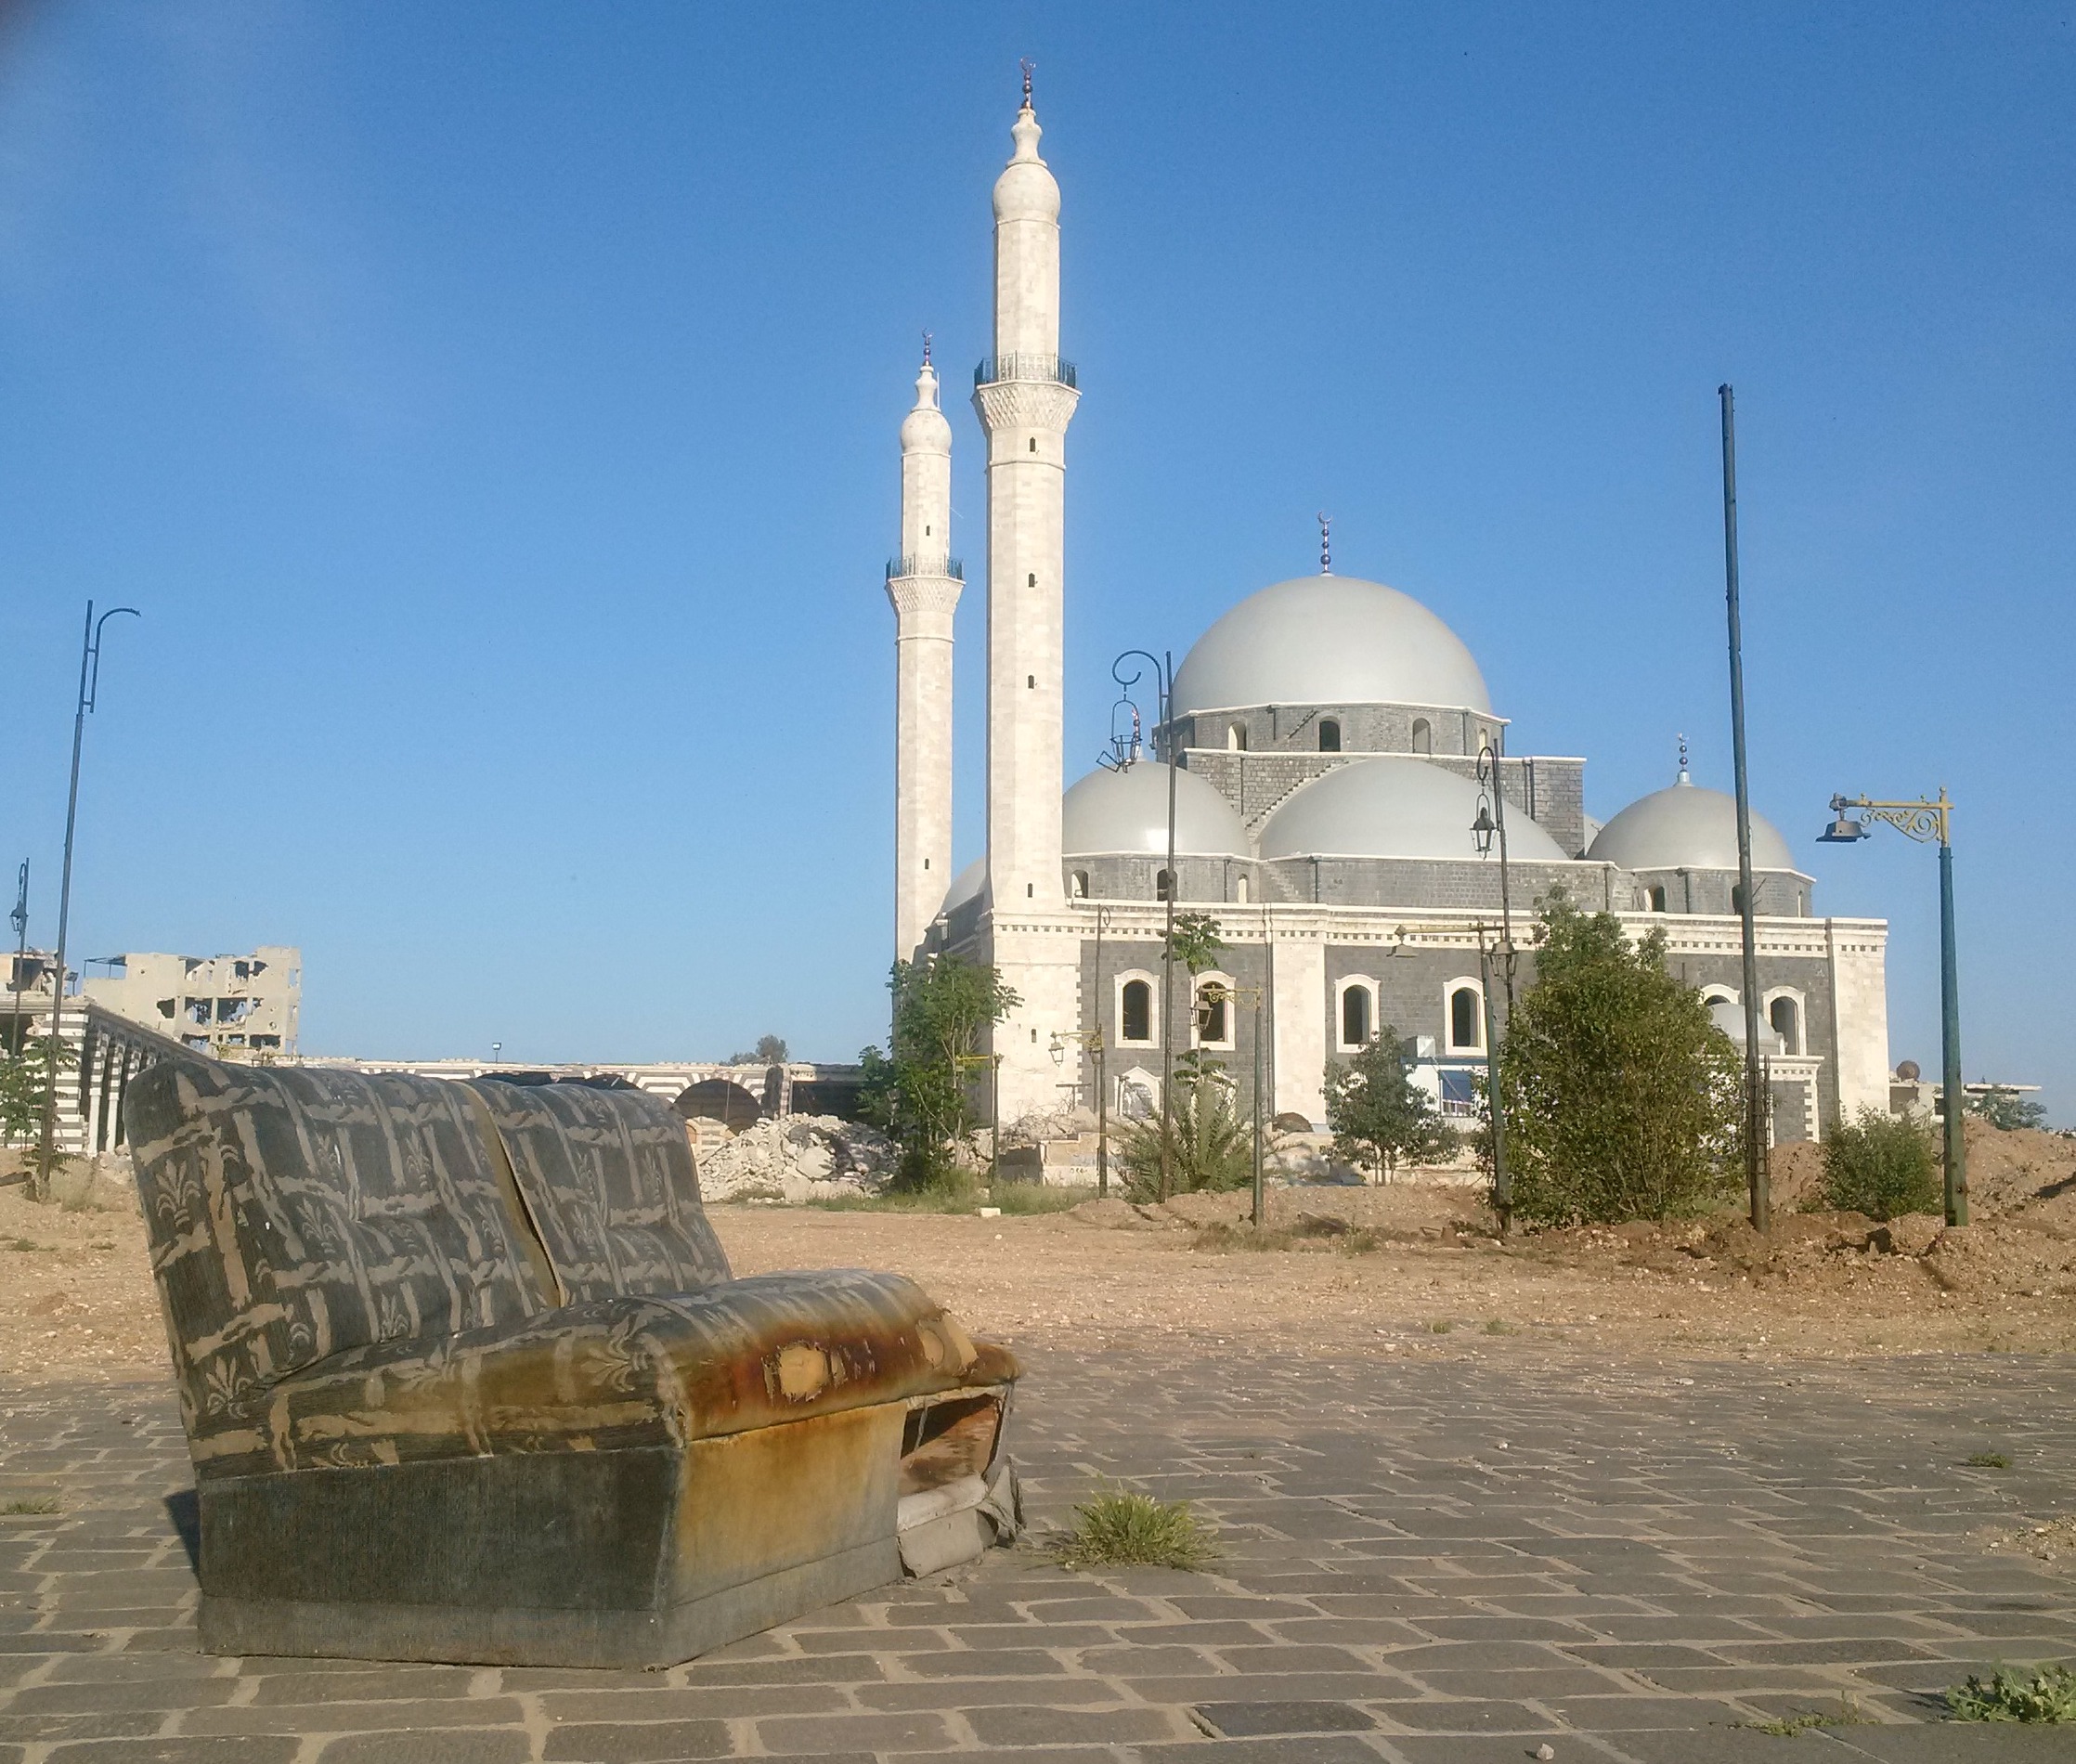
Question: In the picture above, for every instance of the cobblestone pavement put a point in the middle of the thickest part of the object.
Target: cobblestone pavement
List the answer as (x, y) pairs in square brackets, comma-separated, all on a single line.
[(1463, 1560)]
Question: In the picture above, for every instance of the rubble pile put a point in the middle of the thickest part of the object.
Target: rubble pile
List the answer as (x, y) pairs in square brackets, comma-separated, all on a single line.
[(798, 1159)]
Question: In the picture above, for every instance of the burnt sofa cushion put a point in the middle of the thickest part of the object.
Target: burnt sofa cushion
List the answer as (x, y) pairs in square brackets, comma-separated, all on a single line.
[(622, 1373), (607, 1180), (295, 1215)]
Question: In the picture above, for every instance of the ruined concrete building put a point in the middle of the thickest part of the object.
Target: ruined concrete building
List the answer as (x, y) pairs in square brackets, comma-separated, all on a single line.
[(242, 1007)]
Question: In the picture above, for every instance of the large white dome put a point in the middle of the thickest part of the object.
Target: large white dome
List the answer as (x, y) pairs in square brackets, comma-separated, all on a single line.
[(1394, 807), (1329, 640), (1685, 827), (1127, 812)]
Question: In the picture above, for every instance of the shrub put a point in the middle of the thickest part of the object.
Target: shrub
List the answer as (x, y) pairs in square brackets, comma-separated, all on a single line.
[(1210, 1148), (916, 1091), (2045, 1694), (1882, 1165), (1119, 1528), (1379, 1116), (1623, 1100)]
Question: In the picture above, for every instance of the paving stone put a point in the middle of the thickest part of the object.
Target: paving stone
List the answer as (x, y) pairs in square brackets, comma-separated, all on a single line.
[(1245, 1720), (638, 1742), (1028, 1724), (484, 1746), (277, 1750), (917, 1732)]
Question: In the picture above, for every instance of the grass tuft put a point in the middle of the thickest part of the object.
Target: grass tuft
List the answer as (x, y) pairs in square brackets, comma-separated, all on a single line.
[(1990, 1461), (1499, 1326), (1796, 1721), (22, 1243), (28, 1505), (1120, 1527), (1441, 1326), (2045, 1694)]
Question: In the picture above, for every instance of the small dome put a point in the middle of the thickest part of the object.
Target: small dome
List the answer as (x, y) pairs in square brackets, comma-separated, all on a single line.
[(1685, 827), (1127, 812), (1392, 806), (1329, 640)]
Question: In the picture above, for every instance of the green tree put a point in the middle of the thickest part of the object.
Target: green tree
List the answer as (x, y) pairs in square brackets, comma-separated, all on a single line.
[(25, 1086), (769, 1051), (1210, 1147), (916, 1090), (2007, 1111), (1379, 1116), (1882, 1165), (1195, 941), (1623, 1100)]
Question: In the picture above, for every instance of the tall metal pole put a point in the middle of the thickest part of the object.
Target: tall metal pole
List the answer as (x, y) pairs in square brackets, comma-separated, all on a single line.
[(20, 917), (1955, 1096), (1257, 1214), (1168, 940), (1102, 1076), (1502, 1182), (1755, 1112), (1490, 755)]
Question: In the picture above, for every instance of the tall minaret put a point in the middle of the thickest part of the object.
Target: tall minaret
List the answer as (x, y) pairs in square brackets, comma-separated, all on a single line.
[(923, 583), (1025, 396)]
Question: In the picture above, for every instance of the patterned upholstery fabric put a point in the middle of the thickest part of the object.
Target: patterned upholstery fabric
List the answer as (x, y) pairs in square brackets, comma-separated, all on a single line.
[(351, 1276), (296, 1214), (608, 1179), (616, 1373)]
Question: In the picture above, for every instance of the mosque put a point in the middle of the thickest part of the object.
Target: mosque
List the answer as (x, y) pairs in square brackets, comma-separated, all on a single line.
[(1335, 744)]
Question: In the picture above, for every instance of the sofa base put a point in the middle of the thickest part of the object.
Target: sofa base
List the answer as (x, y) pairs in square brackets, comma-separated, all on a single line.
[(472, 1635)]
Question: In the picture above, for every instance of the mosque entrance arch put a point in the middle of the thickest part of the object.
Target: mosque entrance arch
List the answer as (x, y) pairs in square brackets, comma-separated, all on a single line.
[(718, 1099)]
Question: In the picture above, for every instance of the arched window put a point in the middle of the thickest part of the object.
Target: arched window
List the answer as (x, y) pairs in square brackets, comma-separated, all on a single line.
[(1717, 996), (1240, 889), (1788, 1023), (1080, 885), (1136, 1012), (1355, 1016), (1215, 1014), (1329, 735), (1424, 736), (1657, 898), (1737, 899), (1164, 885), (1236, 738), (1464, 1020)]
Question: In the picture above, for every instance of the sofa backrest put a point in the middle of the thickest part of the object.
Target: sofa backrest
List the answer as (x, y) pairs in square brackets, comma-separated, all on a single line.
[(294, 1213), (608, 1179)]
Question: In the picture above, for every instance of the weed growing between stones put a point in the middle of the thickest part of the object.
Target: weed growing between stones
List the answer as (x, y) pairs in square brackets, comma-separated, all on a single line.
[(1990, 1461), (1803, 1720), (1119, 1528), (2045, 1694), (33, 1504)]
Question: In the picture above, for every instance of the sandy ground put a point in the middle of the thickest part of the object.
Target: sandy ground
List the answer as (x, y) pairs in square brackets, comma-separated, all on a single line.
[(1416, 1271)]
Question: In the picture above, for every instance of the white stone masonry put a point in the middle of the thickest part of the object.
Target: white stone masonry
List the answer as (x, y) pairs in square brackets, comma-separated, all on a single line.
[(925, 594)]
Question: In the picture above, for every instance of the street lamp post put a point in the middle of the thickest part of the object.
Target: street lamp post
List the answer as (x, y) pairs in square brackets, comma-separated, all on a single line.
[(17, 1044), (1164, 675), (1092, 1038), (1503, 1180), (89, 684), (1757, 1178), (1491, 821), (1927, 821)]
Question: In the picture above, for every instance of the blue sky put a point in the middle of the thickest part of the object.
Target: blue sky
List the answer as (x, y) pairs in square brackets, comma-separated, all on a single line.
[(492, 408)]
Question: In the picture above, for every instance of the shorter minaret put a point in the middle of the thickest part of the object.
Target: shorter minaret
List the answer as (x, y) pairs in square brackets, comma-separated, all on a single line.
[(923, 583)]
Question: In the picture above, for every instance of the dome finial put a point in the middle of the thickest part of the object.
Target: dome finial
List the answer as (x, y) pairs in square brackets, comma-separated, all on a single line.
[(1683, 778), (1028, 66), (1325, 543), (926, 349)]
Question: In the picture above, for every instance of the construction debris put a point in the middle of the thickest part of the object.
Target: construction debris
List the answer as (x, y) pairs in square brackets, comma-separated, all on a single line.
[(798, 1159)]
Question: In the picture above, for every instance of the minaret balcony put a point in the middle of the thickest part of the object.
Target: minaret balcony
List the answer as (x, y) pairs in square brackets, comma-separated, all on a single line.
[(926, 566), (1046, 370)]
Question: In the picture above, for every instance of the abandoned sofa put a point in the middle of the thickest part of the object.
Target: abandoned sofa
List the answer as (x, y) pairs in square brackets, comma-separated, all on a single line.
[(465, 1377)]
